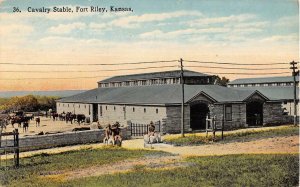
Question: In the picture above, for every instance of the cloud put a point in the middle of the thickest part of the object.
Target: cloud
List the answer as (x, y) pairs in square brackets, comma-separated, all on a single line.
[(96, 26), (288, 21), (66, 28), (225, 19), (15, 29), (174, 34), (282, 38), (133, 21)]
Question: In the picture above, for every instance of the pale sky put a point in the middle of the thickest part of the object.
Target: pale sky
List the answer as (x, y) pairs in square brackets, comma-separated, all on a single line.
[(246, 31)]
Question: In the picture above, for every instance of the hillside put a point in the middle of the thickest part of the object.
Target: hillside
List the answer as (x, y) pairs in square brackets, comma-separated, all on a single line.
[(58, 93)]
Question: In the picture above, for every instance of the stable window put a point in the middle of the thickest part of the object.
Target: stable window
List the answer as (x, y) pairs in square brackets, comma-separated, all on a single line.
[(228, 112), (157, 111), (144, 110), (100, 110), (133, 109), (114, 108)]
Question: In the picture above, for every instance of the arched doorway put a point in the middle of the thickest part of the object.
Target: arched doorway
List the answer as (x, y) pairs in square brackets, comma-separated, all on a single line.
[(254, 113), (198, 114)]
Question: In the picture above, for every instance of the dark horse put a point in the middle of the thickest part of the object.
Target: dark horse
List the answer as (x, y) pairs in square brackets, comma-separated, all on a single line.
[(19, 120), (80, 118)]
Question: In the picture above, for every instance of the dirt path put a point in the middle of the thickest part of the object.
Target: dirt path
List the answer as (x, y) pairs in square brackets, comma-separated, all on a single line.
[(263, 146), (155, 162), (269, 145)]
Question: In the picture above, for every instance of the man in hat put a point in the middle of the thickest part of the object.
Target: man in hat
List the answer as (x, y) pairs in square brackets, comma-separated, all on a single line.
[(116, 131)]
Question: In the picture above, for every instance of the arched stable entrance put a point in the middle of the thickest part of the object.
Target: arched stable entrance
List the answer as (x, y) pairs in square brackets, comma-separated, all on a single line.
[(254, 113), (198, 115)]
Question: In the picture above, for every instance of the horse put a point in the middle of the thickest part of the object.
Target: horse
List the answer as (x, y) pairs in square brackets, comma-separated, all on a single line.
[(17, 119), (80, 118), (54, 115), (37, 121), (62, 116), (25, 126)]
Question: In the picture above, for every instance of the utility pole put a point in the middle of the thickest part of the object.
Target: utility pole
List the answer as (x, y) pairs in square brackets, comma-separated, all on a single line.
[(295, 73), (182, 102)]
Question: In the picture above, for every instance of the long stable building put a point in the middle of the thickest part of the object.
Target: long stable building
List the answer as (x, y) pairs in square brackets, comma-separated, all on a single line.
[(276, 88), (142, 98)]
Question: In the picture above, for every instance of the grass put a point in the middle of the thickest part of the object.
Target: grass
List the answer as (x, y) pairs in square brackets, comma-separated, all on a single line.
[(231, 170), (240, 135), (44, 164)]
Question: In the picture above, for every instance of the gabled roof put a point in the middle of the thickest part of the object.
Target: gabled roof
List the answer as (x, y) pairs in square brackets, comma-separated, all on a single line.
[(157, 95), (155, 75), (274, 92), (264, 80)]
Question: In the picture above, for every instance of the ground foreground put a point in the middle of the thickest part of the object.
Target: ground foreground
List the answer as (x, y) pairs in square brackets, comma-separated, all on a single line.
[(122, 167), (268, 157)]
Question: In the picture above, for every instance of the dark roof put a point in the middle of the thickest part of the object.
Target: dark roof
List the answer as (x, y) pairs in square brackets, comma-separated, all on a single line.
[(275, 92), (154, 94), (155, 75), (264, 80)]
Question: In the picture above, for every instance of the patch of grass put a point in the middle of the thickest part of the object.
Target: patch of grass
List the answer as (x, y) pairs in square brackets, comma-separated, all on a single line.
[(48, 164), (240, 135), (230, 170)]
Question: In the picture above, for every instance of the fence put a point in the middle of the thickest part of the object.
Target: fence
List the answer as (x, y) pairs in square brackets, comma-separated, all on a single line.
[(137, 129), (211, 126), (36, 142), (9, 148)]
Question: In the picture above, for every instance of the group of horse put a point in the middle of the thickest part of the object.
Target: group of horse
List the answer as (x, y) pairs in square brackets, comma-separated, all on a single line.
[(18, 118), (70, 117)]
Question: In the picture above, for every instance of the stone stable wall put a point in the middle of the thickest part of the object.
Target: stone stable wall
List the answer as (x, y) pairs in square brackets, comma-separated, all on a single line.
[(62, 139), (238, 115), (173, 120), (273, 114)]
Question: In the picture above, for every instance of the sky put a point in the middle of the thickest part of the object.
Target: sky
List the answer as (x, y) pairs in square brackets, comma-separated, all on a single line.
[(245, 31)]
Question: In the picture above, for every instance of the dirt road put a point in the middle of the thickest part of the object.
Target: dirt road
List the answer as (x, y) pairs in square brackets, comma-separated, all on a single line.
[(269, 145)]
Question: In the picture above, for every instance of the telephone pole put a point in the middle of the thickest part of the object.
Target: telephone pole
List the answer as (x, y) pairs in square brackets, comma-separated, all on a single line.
[(295, 73), (182, 101)]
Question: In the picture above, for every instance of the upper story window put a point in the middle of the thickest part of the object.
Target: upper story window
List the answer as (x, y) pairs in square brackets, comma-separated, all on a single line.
[(144, 110), (157, 111)]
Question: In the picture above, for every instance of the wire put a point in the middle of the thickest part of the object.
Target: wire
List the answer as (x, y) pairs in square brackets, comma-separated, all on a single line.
[(237, 64), (101, 64), (231, 73), (33, 78), (78, 71), (217, 67)]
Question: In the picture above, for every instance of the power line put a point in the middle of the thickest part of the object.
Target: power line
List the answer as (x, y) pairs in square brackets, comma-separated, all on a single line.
[(217, 67), (236, 64), (79, 71), (232, 73), (80, 64), (39, 78)]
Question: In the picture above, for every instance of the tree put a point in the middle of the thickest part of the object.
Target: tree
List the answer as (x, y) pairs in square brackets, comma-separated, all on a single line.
[(222, 81)]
